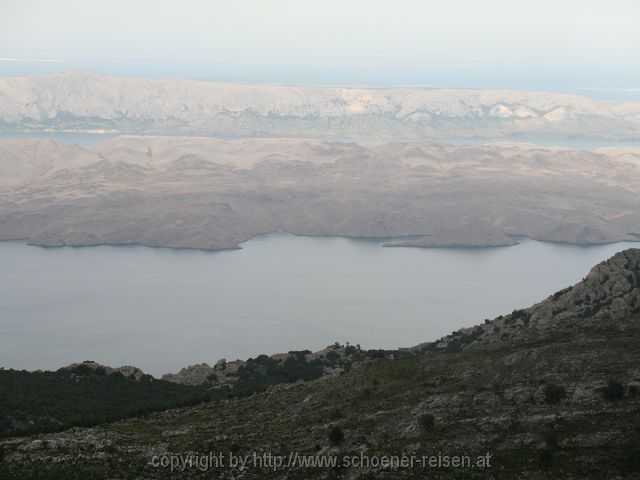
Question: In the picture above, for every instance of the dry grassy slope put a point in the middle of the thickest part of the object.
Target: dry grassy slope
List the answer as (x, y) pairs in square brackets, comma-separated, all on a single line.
[(493, 397), (205, 193)]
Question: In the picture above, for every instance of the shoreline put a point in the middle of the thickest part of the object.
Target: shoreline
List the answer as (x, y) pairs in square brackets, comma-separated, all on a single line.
[(517, 239)]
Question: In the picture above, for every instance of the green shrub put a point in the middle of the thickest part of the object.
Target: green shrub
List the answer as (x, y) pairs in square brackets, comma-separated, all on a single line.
[(520, 315), (336, 435), (554, 393), (631, 457), (545, 456), (350, 350), (613, 391), (427, 422), (454, 346), (551, 440)]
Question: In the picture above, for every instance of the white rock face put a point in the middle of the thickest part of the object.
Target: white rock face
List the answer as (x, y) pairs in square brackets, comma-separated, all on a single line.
[(86, 101)]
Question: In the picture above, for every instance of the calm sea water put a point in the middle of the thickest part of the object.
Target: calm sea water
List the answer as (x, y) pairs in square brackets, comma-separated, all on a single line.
[(64, 137), (80, 138), (85, 139), (163, 309)]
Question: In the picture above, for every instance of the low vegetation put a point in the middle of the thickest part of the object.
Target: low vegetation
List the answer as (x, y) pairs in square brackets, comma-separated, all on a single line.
[(336, 435), (427, 422), (32, 402), (614, 390), (37, 402), (554, 393)]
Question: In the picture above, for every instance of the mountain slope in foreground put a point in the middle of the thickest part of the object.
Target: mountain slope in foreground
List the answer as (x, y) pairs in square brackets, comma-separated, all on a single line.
[(552, 391)]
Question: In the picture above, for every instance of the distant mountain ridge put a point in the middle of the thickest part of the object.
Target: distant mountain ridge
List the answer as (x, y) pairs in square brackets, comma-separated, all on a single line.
[(86, 101)]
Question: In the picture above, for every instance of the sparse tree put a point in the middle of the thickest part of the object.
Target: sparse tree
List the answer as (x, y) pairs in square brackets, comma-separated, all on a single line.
[(427, 422), (614, 390), (336, 435), (554, 393)]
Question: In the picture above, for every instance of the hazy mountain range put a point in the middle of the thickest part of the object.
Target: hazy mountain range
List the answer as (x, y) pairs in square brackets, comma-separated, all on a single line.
[(206, 193), (84, 101)]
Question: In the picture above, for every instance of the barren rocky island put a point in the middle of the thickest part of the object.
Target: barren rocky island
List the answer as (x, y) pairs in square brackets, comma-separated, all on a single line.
[(195, 192)]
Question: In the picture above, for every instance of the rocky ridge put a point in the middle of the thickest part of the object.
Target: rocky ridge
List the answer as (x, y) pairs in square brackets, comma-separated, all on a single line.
[(609, 293), (330, 361), (127, 371), (86, 101)]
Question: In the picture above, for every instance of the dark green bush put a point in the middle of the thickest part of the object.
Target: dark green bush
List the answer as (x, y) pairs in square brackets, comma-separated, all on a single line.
[(545, 456), (551, 440), (454, 346), (631, 457), (613, 391), (427, 422), (554, 393), (336, 435)]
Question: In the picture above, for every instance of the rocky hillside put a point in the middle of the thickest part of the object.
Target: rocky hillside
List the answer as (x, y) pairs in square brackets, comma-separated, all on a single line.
[(84, 101), (88, 393), (609, 293), (559, 397), (279, 368)]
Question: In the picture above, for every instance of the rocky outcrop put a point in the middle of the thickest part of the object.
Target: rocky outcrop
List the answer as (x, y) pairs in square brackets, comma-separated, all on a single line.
[(611, 290), (609, 293), (221, 373), (329, 361), (127, 370)]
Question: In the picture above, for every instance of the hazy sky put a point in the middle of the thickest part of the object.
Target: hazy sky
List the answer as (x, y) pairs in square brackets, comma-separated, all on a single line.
[(585, 46)]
